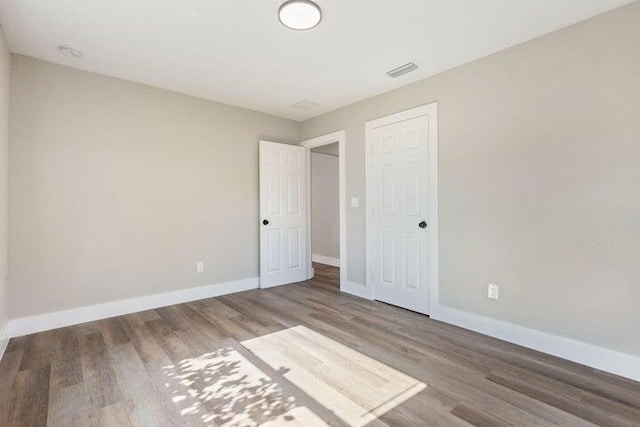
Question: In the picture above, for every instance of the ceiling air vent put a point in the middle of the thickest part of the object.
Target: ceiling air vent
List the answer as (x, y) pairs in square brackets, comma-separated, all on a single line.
[(306, 105), (403, 69)]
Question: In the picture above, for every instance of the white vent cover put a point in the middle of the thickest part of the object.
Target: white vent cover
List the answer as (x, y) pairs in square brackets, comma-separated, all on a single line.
[(69, 51), (306, 105), (403, 69)]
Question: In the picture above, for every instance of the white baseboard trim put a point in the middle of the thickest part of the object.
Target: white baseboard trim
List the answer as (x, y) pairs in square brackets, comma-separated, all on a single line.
[(321, 259), (611, 361), (74, 316), (624, 365), (586, 354)]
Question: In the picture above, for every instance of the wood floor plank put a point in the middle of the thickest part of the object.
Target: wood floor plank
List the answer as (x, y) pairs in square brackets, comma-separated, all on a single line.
[(98, 375), (145, 402), (9, 368), (37, 351), (29, 405), (17, 343), (66, 368), (224, 324), (115, 415), (113, 331), (70, 406), (303, 354), (478, 418), (577, 408)]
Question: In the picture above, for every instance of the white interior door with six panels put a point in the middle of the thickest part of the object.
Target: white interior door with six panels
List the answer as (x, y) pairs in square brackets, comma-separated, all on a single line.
[(283, 214), (400, 228)]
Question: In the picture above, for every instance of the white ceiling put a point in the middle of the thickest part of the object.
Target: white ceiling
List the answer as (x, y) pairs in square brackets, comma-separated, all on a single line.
[(237, 52)]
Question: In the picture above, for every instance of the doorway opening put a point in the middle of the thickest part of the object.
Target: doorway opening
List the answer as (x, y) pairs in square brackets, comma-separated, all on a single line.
[(325, 209), (326, 204)]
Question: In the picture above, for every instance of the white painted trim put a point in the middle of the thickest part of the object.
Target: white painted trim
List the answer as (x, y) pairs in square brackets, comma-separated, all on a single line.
[(611, 361), (4, 339), (341, 138), (326, 260), (74, 316), (356, 289), (430, 110)]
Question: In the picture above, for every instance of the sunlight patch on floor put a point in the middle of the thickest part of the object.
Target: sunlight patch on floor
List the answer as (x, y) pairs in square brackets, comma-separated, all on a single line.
[(357, 388), (225, 388)]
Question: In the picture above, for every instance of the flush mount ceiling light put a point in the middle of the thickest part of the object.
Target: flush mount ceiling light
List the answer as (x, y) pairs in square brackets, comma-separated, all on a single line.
[(299, 14), (69, 52)]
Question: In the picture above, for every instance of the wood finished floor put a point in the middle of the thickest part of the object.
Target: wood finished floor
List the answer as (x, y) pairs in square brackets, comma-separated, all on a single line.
[(297, 355)]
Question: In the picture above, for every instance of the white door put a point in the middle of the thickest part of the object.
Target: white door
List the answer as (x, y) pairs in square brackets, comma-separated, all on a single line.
[(283, 214), (400, 222)]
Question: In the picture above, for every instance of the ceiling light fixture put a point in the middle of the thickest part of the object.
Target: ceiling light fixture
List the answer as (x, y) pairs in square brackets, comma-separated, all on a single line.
[(69, 52), (299, 14)]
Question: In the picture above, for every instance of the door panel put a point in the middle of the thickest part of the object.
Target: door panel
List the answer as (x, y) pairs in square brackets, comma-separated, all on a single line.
[(400, 164), (283, 248)]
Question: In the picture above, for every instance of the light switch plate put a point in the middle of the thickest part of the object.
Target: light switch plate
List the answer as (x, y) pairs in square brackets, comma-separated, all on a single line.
[(355, 202)]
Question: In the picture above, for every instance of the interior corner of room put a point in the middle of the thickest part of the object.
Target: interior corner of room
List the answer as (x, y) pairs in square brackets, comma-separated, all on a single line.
[(499, 194)]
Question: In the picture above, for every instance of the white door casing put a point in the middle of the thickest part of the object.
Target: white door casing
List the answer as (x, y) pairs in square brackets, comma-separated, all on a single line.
[(331, 138), (283, 214), (401, 234)]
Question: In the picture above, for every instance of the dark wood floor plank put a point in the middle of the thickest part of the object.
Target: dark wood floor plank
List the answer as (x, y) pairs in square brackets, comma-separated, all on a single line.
[(9, 368), (146, 402), (183, 318), (259, 321), (99, 379), (37, 351), (66, 368), (17, 343), (587, 412), (478, 418), (225, 325), (29, 405), (113, 331)]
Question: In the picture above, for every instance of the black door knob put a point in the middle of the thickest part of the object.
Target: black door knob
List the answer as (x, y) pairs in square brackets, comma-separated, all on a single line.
[(423, 224), (265, 222)]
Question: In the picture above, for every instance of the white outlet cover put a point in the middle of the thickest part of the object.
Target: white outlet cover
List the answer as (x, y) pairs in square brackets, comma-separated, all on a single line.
[(492, 291), (355, 202), (199, 267)]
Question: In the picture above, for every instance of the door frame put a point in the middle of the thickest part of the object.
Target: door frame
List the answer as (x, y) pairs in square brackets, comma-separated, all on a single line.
[(330, 138), (430, 110)]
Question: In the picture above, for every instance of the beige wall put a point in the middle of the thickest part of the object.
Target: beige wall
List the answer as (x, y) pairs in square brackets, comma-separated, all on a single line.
[(325, 205), (5, 69), (117, 189), (539, 180)]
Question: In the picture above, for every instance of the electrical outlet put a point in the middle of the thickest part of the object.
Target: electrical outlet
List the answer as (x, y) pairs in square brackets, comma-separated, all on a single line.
[(200, 267), (355, 202), (492, 291)]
